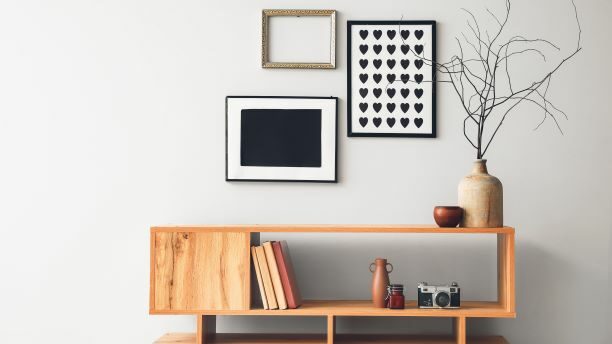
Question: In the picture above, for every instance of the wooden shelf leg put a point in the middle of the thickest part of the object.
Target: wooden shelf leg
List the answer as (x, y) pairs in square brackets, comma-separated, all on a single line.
[(460, 332), (207, 327), (505, 271), (331, 329)]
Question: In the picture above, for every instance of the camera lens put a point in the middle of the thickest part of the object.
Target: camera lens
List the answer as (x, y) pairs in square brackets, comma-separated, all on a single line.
[(442, 299)]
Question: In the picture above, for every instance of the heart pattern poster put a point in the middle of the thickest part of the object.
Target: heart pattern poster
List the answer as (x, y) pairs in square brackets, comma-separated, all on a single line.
[(391, 78)]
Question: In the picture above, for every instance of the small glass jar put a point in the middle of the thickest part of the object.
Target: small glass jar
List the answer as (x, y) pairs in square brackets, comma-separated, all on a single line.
[(395, 296)]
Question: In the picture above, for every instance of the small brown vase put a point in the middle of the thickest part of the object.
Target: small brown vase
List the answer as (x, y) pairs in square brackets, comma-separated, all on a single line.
[(380, 281)]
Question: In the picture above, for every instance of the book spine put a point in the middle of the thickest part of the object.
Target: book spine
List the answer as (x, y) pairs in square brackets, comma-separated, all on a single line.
[(285, 266), (262, 293), (275, 275), (282, 269), (265, 277)]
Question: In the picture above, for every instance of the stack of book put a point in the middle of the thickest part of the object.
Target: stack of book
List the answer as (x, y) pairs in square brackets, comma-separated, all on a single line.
[(274, 270)]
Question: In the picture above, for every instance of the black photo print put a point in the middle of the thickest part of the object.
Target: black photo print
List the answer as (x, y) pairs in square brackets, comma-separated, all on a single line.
[(390, 80), (281, 139)]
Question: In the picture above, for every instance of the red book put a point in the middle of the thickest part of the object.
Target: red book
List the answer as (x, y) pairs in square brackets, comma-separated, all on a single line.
[(285, 268)]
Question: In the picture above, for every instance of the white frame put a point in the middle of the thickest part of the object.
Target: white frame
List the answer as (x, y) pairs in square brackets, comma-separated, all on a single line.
[(329, 128)]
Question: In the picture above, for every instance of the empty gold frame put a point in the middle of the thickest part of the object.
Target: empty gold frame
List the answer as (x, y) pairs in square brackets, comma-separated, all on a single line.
[(291, 43)]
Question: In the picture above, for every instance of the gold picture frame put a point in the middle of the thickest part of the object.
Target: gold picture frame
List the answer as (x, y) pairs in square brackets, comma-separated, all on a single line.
[(265, 40)]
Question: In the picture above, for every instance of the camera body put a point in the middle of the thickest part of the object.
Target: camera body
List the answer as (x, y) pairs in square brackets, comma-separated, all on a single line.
[(439, 296)]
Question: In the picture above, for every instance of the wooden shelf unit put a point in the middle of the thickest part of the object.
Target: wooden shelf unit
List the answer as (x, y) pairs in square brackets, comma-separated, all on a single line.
[(205, 271)]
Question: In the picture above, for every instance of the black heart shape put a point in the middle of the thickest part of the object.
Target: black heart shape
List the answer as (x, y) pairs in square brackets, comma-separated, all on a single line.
[(405, 34), (418, 122), (363, 33), (377, 48), (363, 48), (363, 121), (377, 63), (390, 34), (405, 107), (377, 78), (418, 63), (405, 48), (363, 92), (377, 107), (377, 121), (391, 63), (363, 78), (391, 77), (405, 92), (390, 92), (418, 34), (418, 107), (377, 34), (390, 107), (418, 49), (390, 122), (403, 121), (377, 92), (418, 78), (363, 107), (405, 63), (391, 48), (418, 92), (405, 78), (363, 63)]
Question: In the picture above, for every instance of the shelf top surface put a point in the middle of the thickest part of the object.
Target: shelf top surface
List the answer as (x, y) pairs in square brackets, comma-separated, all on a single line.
[(475, 309), (391, 228)]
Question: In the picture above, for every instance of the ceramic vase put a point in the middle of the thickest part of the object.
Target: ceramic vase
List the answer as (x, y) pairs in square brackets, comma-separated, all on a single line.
[(481, 197), (380, 281)]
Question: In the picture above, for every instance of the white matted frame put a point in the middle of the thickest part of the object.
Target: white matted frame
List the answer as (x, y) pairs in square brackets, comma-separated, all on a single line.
[(330, 31), (326, 173)]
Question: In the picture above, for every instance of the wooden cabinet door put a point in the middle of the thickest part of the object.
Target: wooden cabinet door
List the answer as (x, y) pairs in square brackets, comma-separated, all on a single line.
[(197, 271)]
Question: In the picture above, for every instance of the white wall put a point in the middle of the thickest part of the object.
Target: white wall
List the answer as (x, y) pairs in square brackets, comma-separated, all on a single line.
[(112, 120)]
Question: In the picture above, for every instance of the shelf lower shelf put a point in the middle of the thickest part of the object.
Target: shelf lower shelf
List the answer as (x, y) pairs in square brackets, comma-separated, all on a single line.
[(190, 338), (471, 309)]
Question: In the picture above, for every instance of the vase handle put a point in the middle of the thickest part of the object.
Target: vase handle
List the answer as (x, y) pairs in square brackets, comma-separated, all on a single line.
[(372, 271), (391, 268)]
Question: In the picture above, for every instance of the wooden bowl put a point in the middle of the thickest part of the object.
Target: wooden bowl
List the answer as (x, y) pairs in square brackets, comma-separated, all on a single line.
[(448, 216)]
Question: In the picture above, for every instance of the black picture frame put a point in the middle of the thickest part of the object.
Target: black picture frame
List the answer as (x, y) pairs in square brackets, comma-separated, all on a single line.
[(397, 23), (334, 150)]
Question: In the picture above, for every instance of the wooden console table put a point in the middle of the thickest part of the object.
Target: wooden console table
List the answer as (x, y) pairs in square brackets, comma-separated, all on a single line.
[(206, 271)]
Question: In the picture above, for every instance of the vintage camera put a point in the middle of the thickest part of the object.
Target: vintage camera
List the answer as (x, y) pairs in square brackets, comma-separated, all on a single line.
[(439, 296)]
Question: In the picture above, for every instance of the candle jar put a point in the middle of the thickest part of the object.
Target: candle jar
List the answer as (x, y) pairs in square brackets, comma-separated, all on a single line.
[(395, 296)]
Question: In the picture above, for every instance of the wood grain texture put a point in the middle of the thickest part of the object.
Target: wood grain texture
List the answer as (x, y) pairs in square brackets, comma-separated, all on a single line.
[(506, 272), (331, 329), (320, 339), (459, 325), (476, 309), (331, 229), (200, 271)]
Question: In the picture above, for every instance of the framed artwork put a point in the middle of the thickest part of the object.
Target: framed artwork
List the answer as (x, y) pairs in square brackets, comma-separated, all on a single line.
[(391, 81), (298, 39), (292, 139)]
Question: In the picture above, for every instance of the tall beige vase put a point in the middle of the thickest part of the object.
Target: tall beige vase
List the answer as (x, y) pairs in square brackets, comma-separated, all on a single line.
[(481, 197)]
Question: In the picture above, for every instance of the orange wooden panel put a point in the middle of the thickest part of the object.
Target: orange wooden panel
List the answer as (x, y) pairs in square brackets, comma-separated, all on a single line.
[(477, 309), (199, 271), (332, 229), (506, 272), (320, 339)]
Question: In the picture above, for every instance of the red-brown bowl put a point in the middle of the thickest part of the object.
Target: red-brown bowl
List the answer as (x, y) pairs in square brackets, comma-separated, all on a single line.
[(448, 216)]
